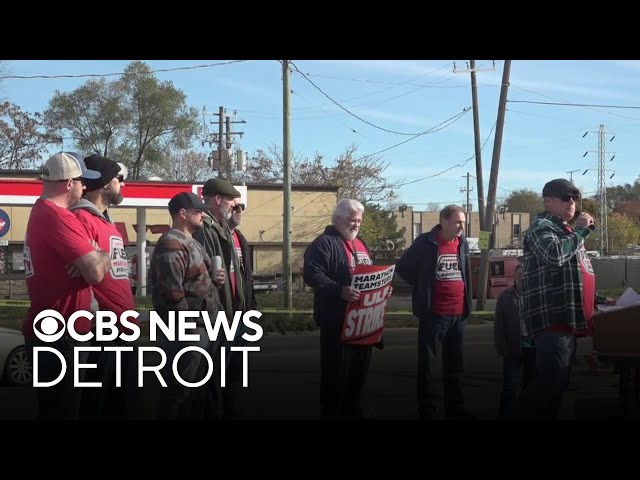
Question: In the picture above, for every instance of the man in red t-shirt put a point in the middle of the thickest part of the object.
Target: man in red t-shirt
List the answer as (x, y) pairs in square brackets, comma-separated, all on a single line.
[(113, 293), (438, 266), (55, 241)]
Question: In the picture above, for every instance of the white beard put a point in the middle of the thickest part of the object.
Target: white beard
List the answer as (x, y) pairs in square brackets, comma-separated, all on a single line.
[(349, 234)]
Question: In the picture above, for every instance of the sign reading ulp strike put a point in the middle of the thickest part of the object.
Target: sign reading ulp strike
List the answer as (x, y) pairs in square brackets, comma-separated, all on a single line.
[(364, 319)]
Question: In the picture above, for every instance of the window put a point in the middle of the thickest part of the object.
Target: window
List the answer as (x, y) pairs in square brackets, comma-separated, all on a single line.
[(417, 230), (516, 225)]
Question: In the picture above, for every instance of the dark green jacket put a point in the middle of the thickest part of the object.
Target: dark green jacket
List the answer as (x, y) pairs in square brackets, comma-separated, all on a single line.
[(551, 277), (216, 239)]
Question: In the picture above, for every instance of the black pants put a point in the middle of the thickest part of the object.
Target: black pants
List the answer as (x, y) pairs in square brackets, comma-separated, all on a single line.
[(62, 400), (343, 373)]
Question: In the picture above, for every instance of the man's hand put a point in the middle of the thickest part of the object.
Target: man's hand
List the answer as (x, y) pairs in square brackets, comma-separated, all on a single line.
[(220, 277), (610, 301), (72, 270), (95, 245), (584, 220), (349, 294)]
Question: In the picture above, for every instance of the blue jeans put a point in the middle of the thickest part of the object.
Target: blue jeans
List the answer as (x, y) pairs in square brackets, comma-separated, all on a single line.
[(542, 398), (436, 333), (62, 400)]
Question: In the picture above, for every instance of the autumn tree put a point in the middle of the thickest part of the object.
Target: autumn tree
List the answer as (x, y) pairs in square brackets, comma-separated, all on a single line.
[(622, 231), (525, 201), (94, 116), (131, 119), (23, 138)]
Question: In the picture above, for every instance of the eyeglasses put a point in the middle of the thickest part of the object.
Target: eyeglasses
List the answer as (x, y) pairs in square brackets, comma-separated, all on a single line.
[(239, 207), (566, 198)]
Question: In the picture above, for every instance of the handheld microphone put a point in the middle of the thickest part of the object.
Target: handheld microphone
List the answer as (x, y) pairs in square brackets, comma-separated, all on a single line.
[(591, 226)]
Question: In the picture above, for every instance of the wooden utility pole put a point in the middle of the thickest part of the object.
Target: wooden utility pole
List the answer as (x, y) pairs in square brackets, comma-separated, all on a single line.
[(489, 218), (478, 146), (287, 279), (468, 190)]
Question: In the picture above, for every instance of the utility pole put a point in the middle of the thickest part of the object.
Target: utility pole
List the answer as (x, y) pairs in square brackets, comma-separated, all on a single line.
[(489, 218), (220, 140), (468, 190), (286, 211), (476, 135), (603, 227), (220, 159), (571, 172)]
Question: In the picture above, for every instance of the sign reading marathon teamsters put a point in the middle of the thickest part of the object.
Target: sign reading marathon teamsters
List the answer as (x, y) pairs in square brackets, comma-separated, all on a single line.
[(50, 326), (364, 319)]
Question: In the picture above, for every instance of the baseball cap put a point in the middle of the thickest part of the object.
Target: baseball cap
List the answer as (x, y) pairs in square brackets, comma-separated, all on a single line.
[(186, 200), (219, 186), (560, 188), (107, 168), (66, 165)]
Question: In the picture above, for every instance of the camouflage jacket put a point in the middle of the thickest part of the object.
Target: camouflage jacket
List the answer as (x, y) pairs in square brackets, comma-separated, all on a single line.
[(180, 276)]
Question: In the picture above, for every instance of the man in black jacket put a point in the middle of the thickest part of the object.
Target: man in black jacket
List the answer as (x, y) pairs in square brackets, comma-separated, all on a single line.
[(329, 263), (438, 266)]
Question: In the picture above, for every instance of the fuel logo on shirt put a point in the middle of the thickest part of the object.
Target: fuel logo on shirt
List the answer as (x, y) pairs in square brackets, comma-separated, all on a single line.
[(448, 268), (119, 262)]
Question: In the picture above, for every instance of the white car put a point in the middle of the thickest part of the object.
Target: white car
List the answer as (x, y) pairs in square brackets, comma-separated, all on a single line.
[(15, 368)]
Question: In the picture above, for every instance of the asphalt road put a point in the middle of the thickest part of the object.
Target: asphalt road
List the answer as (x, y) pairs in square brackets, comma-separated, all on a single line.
[(284, 381)]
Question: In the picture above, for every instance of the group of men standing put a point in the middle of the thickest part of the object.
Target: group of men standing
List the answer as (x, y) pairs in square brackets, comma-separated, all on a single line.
[(538, 321), (202, 264), (75, 260)]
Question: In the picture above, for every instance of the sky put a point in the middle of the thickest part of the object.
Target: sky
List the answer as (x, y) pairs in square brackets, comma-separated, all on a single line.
[(381, 106)]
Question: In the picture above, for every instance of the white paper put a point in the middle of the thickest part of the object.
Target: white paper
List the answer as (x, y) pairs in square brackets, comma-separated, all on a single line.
[(629, 298)]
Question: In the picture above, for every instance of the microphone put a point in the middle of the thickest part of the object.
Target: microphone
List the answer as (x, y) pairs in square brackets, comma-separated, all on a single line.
[(591, 226)]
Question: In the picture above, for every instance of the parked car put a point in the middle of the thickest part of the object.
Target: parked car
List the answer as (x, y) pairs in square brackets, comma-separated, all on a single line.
[(15, 368)]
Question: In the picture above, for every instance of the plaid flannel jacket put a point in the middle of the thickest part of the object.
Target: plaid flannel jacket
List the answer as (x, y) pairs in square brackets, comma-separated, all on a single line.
[(551, 277)]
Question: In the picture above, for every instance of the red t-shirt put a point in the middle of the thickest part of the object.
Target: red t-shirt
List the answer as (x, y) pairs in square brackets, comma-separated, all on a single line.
[(588, 287), (448, 287), (236, 244), (113, 293), (54, 239), (357, 253)]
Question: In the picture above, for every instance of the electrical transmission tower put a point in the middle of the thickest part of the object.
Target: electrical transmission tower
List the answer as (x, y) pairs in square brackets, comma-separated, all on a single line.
[(603, 227)]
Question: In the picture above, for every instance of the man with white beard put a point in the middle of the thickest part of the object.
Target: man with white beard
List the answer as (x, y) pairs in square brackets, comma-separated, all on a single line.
[(329, 263), (220, 197)]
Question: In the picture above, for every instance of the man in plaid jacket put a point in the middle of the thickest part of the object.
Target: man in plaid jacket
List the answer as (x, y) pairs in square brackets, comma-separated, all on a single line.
[(558, 296)]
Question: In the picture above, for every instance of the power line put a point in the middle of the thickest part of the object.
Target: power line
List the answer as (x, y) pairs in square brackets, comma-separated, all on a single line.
[(454, 166), (90, 75), (347, 110), (566, 104), (434, 129)]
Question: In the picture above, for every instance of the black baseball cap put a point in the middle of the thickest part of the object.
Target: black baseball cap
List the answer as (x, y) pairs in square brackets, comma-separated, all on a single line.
[(186, 200), (560, 187), (108, 171)]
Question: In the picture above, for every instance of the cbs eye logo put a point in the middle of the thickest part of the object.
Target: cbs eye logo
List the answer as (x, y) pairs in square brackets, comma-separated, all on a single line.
[(49, 326)]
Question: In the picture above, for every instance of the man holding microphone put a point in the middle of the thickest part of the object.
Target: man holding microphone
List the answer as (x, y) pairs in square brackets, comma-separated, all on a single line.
[(558, 296)]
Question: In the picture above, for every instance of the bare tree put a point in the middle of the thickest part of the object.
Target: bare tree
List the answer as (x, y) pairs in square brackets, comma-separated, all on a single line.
[(433, 207), (361, 178), (23, 139)]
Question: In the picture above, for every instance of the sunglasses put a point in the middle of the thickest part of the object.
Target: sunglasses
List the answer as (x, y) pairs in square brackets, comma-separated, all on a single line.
[(120, 178), (566, 198), (239, 207)]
